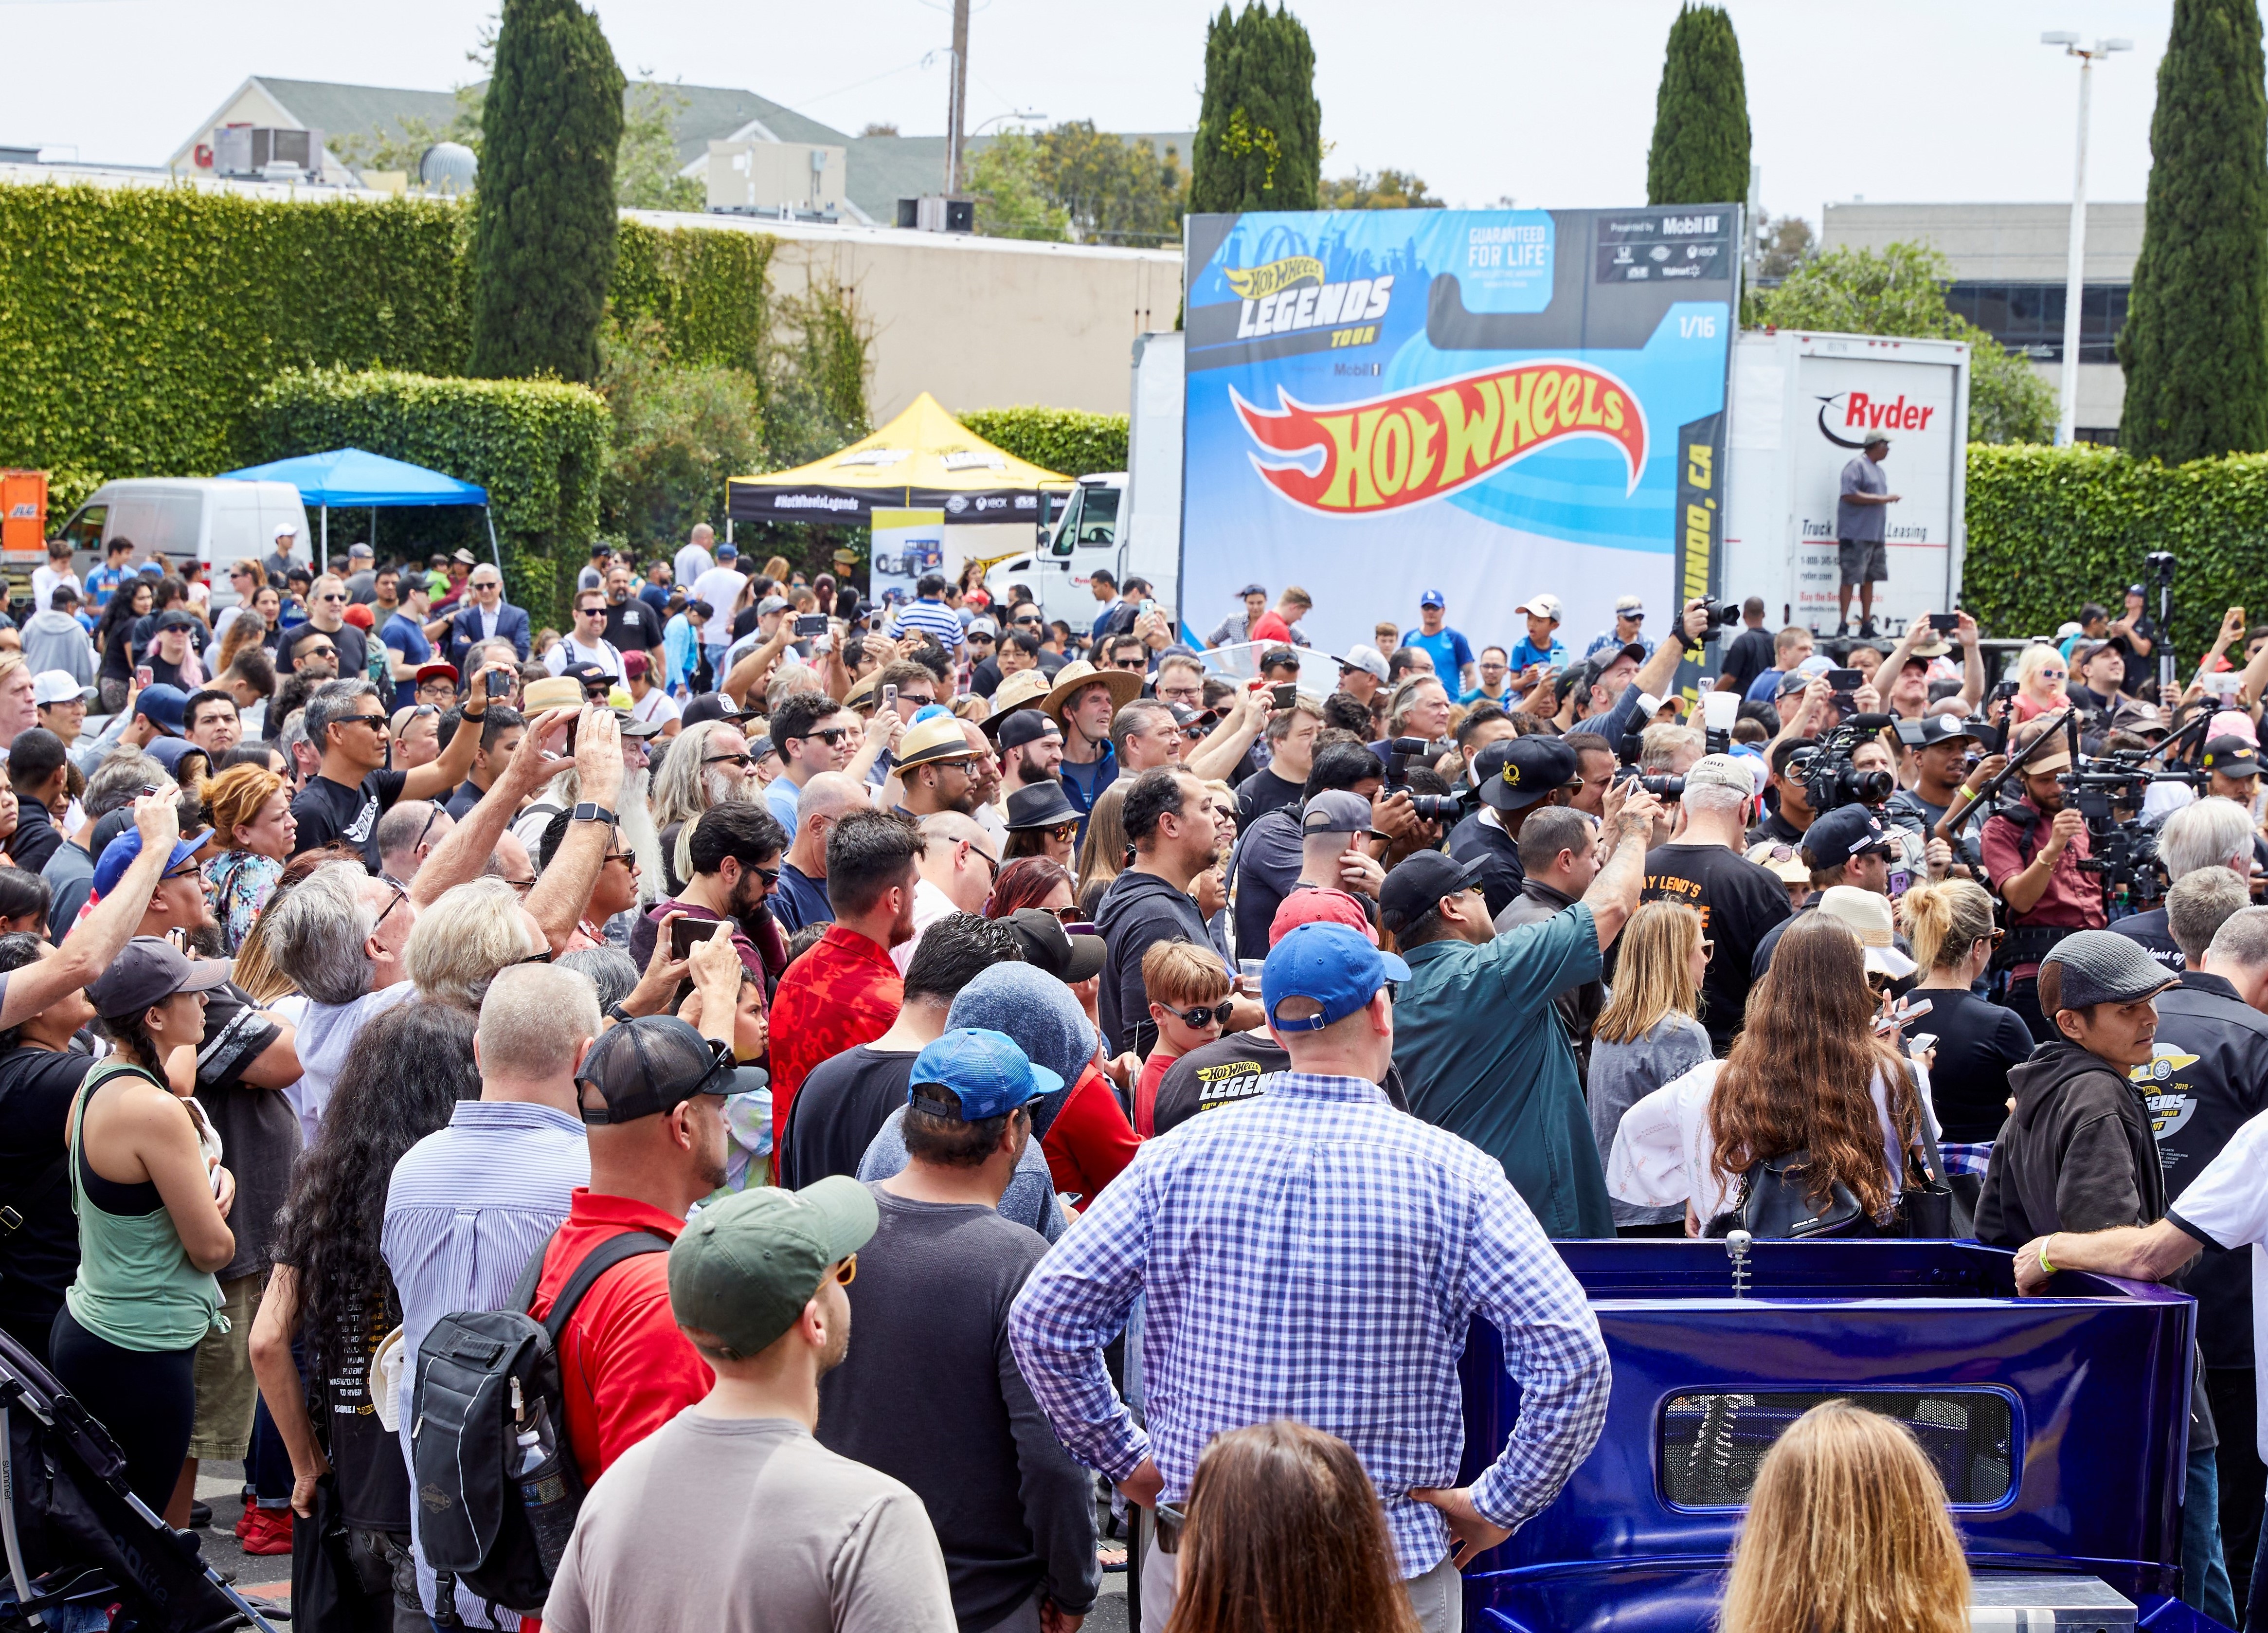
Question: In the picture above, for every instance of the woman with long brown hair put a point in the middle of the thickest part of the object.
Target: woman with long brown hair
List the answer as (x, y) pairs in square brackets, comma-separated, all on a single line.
[(1807, 1073), (1846, 1530), (1103, 850), (1284, 1531)]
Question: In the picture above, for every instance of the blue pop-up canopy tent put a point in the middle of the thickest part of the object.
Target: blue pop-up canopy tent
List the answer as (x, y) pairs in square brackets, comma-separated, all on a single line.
[(356, 479)]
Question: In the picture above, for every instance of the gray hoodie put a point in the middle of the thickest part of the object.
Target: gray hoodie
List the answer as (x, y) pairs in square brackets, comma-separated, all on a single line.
[(55, 640)]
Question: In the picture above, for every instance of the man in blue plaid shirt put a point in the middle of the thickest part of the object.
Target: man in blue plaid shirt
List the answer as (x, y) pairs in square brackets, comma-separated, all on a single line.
[(1315, 1254)]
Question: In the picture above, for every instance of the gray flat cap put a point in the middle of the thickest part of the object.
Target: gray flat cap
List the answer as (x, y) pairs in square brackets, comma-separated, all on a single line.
[(2099, 967)]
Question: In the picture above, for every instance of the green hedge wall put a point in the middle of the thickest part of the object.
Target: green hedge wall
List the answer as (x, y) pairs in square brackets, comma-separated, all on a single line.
[(1069, 440), (2052, 528), (139, 325), (538, 447)]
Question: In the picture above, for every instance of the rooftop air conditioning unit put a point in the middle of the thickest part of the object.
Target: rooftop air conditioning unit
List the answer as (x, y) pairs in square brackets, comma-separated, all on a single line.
[(257, 150), (933, 213)]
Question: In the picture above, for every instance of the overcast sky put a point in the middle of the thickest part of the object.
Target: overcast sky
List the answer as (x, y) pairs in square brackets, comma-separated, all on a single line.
[(1548, 103)]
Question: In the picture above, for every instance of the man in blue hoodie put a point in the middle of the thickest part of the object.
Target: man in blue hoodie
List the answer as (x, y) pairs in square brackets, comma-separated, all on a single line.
[(1169, 821)]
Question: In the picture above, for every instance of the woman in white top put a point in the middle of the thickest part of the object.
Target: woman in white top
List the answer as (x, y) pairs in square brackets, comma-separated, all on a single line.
[(1807, 1073)]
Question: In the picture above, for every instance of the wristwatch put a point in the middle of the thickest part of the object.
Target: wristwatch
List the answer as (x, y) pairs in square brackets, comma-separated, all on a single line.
[(619, 1012), (588, 812)]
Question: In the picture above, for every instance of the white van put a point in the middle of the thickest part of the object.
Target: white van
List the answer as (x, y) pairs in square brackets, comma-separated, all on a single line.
[(187, 519), (1085, 538)]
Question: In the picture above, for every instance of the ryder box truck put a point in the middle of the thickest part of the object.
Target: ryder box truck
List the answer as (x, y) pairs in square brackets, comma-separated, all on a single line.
[(1803, 405)]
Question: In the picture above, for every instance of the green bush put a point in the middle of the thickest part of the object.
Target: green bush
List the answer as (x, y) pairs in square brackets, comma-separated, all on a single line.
[(1071, 441), (538, 447), (678, 433), (138, 326), (2052, 528)]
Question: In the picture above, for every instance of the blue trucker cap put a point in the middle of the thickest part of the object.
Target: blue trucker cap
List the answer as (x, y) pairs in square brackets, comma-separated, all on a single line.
[(986, 1069), (1332, 964), (119, 854)]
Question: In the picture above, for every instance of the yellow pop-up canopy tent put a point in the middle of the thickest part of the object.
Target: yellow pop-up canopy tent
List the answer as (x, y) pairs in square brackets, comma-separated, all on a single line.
[(923, 460)]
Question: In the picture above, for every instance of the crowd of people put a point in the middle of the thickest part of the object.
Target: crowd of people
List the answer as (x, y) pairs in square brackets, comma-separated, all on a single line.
[(748, 964)]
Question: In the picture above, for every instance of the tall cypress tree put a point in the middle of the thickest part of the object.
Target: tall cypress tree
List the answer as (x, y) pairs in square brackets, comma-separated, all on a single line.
[(543, 219), (1700, 152), (1259, 129), (2196, 341)]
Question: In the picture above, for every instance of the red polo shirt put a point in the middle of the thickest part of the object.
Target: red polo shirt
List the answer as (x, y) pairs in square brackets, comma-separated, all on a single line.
[(843, 993), (625, 1368)]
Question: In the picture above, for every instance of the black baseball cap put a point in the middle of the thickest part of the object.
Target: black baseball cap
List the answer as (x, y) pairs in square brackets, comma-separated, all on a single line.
[(1048, 946), (651, 1065), (1834, 836), (1931, 729), (148, 970), (2232, 756), (1019, 726), (1515, 773), (1420, 881), (712, 706)]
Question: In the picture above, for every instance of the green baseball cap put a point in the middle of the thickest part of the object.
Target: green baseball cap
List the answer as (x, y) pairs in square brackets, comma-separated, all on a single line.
[(745, 1268)]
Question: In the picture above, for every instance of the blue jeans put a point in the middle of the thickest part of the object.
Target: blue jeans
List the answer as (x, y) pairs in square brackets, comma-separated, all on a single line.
[(2205, 1573)]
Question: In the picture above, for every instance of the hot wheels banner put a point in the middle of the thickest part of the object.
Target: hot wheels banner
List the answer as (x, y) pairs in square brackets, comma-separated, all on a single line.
[(1491, 404)]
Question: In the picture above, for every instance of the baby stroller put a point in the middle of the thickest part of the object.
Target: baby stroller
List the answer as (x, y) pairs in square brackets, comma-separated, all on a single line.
[(77, 1538)]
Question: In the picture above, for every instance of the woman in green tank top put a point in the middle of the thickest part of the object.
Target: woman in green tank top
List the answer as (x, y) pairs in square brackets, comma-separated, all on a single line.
[(152, 1202)]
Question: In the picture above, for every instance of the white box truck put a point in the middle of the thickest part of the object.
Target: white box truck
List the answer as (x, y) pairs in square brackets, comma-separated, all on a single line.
[(1803, 405)]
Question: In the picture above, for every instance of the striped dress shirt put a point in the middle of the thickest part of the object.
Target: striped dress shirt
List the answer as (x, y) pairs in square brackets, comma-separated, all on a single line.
[(467, 1205), (1316, 1254), (932, 617)]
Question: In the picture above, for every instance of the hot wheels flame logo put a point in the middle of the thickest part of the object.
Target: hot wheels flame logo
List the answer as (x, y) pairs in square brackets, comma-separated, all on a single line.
[(1422, 444)]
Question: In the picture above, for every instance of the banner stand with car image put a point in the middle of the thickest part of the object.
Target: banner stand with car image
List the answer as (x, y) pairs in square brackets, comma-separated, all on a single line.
[(1489, 402)]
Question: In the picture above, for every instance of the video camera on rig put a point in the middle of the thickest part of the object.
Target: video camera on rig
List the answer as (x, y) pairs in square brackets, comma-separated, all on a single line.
[(1445, 808), (2108, 792), (1828, 777)]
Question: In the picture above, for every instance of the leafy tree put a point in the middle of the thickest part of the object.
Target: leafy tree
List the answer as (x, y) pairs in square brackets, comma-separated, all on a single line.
[(2195, 345), (1783, 244), (879, 127), (646, 163), (1700, 152), (1114, 191), (1388, 190), (544, 227), (1012, 196), (1259, 129), (1900, 290), (678, 434), (821, 360)]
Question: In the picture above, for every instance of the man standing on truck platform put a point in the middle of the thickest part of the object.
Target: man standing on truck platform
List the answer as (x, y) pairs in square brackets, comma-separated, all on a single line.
[(1861, 515)]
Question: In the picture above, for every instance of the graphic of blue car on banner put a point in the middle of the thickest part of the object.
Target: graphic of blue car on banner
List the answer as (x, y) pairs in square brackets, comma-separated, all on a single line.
[(1491, 404)]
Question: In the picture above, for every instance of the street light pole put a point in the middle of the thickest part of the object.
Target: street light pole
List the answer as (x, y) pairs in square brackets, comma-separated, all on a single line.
[(957, 115), (2075, 267)]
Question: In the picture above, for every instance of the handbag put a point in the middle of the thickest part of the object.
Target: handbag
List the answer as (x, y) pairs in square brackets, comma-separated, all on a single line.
[(1933, 1210), (328, 1594), (1774, 1204)]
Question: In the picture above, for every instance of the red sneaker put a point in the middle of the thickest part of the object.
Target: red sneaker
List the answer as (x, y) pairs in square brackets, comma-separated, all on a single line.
[(267, 1531)]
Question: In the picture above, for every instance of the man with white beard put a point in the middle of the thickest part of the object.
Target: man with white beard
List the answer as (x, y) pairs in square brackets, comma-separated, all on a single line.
[(709, 763)]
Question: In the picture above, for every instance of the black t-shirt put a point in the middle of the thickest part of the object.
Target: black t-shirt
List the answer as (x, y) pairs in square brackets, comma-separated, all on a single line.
[(1228, 1070), (1499, 854), (1977, 1043), (2152, 929), (1264, 792), (42, 1255), (164, 673), (327, 810), (1738, 902), (373, 1481), (839, 1110), (1749, 655), (259, 1129), (633, 626)]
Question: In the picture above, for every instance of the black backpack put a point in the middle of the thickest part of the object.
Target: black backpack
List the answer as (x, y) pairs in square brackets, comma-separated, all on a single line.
[(474, 1368)]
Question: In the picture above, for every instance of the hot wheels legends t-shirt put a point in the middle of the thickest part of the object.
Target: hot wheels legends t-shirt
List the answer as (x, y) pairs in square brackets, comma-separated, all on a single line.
[(1229, 1070)]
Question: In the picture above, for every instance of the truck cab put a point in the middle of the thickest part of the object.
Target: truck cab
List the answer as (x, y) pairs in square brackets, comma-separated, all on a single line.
[(1086, 536)]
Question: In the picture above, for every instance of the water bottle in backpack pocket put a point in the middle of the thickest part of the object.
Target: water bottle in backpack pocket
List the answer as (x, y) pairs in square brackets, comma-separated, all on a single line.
[(495, 1479)]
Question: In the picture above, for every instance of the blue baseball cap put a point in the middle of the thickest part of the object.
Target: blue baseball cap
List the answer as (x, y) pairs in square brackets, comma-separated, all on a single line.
[(1432, 598), (119, 854), (986, 1069), (1331, 963), (167, 706)]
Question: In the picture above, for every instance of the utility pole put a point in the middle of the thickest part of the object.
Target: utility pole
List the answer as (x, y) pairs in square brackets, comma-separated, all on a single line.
[(957, 108), (2075, 268)]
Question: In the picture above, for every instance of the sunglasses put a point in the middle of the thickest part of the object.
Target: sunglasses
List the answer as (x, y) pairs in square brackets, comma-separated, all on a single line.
[(521, 885), (376, 722), (432, 817), (1202, 1016), (400, 897), (741, 760), (1065, 831), (769, 875), (832, 737), (328, 651), (847, 1272), (329, 595), (1708, 949), (629, 859)]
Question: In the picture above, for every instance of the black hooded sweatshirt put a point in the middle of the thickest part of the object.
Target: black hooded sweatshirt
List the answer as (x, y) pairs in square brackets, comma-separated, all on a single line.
[(1138, 911), (2077, 1153)]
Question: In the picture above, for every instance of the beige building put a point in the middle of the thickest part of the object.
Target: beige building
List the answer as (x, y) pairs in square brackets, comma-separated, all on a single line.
[(2009, 263), (979, 322)]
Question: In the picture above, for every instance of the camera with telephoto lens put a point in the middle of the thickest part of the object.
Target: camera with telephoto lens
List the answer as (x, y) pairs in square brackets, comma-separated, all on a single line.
[(1661, 788), (1429, 807), (1723, 615)]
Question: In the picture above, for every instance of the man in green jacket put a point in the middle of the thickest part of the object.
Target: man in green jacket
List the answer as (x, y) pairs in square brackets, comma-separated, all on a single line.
[(1478, 1046)]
